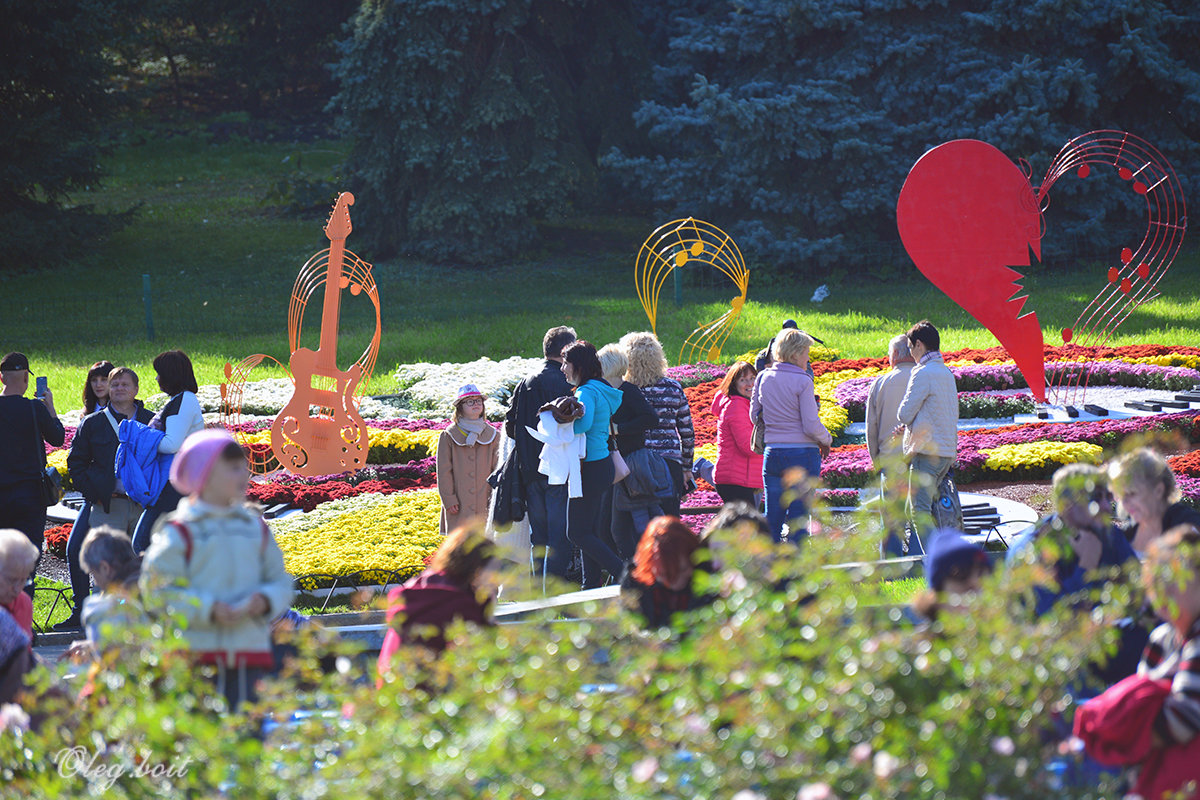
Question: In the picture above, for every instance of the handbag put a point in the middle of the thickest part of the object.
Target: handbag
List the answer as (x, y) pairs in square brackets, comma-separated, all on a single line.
[(620, 468), (52, 490), (758, 436)]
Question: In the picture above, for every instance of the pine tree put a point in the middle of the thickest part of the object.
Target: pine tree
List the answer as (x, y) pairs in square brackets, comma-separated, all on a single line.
[(794, 122), (55, 102), (471, 120)]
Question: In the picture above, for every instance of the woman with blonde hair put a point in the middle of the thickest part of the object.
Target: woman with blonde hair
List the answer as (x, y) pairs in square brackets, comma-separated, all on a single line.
[(673, 437), (1145, 487), (794, 436), (628, 427)]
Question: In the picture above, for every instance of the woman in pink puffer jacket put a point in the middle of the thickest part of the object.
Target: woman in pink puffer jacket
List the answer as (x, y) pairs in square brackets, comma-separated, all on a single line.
[(738, 473)]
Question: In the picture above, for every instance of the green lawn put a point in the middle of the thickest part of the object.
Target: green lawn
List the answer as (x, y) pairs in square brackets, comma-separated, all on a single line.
[(57, 606), (221, 265)]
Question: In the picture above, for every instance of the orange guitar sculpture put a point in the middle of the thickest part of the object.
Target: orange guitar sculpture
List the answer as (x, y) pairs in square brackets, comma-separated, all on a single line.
[(320, 431)]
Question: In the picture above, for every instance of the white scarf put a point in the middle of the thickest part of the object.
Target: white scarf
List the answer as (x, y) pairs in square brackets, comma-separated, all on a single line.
[(473, 429)]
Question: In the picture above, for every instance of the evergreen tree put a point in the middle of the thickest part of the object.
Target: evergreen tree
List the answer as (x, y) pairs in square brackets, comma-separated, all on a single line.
[(472, 119), (54, 103), (794, 122)]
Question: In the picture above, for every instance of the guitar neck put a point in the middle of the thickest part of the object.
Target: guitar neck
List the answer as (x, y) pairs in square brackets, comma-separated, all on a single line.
[(331, 311)]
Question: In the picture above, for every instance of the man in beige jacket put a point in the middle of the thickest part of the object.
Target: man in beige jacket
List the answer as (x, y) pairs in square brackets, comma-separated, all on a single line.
[(883, 405), (929, 414)]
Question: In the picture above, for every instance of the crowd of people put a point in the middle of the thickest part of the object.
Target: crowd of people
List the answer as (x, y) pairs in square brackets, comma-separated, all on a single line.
[(596, 452)]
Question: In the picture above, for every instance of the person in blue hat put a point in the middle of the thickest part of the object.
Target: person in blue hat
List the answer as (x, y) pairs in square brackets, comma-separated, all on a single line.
[(954, 568)]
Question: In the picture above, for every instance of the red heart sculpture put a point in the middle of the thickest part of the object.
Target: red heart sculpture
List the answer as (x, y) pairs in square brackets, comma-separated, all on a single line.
[(967, 214)]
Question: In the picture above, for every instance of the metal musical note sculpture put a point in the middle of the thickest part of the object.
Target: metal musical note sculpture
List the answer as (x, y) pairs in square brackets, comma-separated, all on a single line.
[(967, 214), (680, 243), (319, 431)]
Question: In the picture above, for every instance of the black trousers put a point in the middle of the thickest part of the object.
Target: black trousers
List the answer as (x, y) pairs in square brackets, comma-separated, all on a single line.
[(23, 507), (584, 520), (730, 492)]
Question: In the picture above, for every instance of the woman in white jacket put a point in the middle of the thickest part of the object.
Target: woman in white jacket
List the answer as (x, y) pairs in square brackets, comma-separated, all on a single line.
[(179, 419)]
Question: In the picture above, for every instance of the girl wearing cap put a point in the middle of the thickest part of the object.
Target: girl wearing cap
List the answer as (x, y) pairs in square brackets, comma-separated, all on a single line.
[(954, 568), (214, 562), (466, 456)]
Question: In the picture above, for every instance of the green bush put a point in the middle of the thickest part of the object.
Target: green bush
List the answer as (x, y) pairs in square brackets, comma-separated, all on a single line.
[(767, 691)]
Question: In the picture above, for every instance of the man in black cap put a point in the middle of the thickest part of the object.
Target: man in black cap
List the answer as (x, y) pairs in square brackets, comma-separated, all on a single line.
[(24, 425), (763, 360)]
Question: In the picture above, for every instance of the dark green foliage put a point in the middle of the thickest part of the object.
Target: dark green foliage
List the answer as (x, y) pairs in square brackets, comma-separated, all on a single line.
[(54, 102), (472, 120), (794, 122), (268, 57)]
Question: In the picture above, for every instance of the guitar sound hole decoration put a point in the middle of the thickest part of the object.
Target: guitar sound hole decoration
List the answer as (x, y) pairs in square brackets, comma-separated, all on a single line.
[(319, 431), (967, 215), (691, 243)]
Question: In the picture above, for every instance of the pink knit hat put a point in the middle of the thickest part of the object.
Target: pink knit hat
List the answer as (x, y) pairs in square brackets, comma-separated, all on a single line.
[(194, 461)]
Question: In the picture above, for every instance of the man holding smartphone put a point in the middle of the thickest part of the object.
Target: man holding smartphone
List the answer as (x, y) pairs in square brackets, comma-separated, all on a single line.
[(24, 426)]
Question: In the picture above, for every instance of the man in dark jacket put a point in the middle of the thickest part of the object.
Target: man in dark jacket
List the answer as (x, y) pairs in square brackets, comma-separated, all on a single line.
[(92, 464), (545, 504)]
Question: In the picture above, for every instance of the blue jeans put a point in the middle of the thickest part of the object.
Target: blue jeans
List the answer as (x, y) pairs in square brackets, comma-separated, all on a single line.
[(925, 474), (546, 506), (81, 584), (777, 461)]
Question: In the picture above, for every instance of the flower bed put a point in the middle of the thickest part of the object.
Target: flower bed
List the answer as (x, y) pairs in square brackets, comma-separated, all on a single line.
[(389, 446), (56, 540), (850, 466), (695, 374), (1035, 458), (373, 534), (433, 387)]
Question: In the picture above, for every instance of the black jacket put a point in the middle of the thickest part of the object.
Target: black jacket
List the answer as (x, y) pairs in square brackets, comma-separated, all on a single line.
[(24, 454), (509, 497), (530, 395), (632, 419), (93, 457)]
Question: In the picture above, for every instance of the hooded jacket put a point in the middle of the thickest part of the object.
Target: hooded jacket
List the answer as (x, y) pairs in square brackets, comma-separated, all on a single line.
[(203, 554), (737, 464), (599, 402), (420, 611), (142, 469)]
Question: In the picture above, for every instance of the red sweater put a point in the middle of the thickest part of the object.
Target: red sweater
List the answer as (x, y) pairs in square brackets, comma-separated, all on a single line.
[(22, 611), (737, 464)]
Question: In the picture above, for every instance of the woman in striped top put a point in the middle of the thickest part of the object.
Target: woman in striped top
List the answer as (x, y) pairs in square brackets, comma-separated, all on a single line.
[(673, 438), (1172, 576)]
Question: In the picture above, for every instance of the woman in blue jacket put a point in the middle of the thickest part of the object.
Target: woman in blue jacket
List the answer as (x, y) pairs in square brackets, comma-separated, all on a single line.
[(581, 366)]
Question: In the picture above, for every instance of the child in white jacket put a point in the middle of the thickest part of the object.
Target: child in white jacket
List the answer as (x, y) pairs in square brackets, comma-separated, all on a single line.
[(214, 562)]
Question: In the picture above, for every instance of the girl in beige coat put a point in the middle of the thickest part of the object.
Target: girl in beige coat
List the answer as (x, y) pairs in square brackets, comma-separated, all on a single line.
[(466, 456)]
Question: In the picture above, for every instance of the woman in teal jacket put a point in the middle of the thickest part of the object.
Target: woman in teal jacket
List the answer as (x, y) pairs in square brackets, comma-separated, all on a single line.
[(581, 366)]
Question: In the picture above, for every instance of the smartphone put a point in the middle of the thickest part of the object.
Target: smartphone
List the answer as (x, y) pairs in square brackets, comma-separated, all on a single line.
[(40, 392)]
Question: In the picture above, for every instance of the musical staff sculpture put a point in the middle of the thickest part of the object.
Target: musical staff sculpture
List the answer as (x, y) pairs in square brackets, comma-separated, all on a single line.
[(680, 243), (967, 215), (319, 431)]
